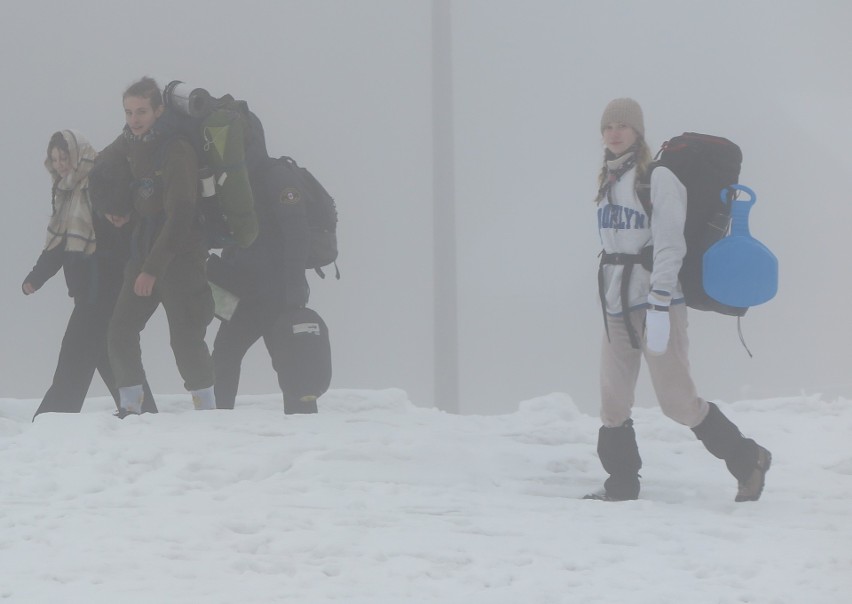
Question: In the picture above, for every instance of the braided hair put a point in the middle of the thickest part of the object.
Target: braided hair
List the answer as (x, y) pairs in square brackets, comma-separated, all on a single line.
[(642, 160)]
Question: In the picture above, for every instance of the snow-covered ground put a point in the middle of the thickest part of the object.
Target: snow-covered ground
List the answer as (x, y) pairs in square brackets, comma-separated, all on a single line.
[(377, 501)]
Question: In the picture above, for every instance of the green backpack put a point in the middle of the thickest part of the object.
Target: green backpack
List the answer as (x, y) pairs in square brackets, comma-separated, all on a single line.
[(229, 141), (219, 131)]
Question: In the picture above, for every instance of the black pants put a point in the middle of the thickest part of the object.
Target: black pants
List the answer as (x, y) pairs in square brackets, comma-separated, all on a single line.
[(254, 319), (187, 301), (83, 350)]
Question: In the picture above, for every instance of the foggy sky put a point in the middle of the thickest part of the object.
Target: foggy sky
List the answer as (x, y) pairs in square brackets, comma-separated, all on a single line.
[(345, 87)]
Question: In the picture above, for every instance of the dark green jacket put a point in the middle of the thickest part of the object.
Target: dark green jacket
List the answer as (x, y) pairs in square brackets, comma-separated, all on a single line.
[(165, 169)]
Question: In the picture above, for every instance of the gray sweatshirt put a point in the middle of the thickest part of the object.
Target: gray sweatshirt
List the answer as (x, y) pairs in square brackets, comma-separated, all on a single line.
[(624, 228)]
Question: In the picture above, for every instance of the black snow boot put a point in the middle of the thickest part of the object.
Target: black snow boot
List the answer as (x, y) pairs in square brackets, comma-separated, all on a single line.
[(746, 460), (619, 456), (751, 488), (295, 406)]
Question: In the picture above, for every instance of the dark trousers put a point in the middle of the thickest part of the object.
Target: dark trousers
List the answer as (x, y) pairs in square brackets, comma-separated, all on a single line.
[(255, 318), (302, 362), (186, 297), (84, 350)]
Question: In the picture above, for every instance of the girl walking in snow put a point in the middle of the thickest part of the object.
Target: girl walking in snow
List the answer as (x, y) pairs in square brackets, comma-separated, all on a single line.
[(92, 255), (645, 315)]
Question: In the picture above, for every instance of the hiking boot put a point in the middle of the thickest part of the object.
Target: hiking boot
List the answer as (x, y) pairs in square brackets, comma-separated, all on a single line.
[(751, 488), (122, 413), (306, 404), (602, 496), (618, 487), (619, 456)]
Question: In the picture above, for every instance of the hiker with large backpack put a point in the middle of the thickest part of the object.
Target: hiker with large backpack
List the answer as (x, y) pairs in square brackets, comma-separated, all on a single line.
[(92, 255), (645, 313), (167, 264), (259, 284)]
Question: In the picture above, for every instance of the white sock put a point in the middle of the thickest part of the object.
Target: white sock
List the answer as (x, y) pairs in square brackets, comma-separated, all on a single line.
[(130, 398), (204, 399)]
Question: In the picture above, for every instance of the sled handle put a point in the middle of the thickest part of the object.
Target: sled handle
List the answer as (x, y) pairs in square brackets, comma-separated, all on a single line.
[(740, 209), (731, 192)]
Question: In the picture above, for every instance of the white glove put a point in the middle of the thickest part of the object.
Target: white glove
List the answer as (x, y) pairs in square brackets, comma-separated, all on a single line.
[(657, 325)]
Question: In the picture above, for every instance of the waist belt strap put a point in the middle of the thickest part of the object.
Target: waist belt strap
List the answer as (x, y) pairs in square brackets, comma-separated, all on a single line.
[(628, 261)]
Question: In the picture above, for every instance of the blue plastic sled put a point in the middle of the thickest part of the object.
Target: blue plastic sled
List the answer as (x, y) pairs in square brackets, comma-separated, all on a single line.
[(739, 270)]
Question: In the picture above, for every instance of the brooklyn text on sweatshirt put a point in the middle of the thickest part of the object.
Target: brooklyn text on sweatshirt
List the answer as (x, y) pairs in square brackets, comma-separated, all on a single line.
[(611, 216)]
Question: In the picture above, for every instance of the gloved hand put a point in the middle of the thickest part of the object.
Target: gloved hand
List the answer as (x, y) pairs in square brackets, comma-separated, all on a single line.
[(657, 324)]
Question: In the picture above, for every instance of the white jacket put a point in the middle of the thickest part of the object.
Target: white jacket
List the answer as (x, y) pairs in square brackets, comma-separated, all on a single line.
[(623, 228)]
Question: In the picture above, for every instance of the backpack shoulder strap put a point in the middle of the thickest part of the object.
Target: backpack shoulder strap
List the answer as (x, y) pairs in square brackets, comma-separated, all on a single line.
[(643, 190)]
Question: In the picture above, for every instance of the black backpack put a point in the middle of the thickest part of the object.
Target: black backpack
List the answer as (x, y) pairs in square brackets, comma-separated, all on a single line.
[(705, 165), (304, 363), (227, 217), (296, 182)]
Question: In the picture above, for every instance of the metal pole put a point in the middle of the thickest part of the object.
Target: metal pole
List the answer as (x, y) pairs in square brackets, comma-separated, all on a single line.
[(446, 379)]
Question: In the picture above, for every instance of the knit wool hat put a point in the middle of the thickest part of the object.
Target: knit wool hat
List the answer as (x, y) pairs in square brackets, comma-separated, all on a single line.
[(624, 111)]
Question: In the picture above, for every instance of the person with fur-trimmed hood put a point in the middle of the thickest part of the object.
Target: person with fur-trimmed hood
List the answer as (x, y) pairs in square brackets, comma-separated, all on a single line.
[(92, 255), (645, 315)]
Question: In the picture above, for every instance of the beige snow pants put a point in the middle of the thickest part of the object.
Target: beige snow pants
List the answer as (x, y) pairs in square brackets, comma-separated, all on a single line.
[(670, 374)]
